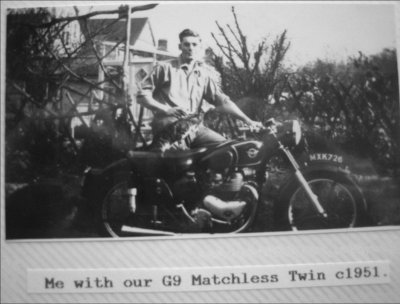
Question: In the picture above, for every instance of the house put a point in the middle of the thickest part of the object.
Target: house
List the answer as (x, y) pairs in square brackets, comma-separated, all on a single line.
[(108, 36), (86, 59)]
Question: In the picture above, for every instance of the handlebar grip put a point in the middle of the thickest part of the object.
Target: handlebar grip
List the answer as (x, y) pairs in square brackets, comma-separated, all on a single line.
[(248, 129)]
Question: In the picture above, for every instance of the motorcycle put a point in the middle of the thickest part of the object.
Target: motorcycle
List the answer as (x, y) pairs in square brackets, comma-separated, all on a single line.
[(220, 188)]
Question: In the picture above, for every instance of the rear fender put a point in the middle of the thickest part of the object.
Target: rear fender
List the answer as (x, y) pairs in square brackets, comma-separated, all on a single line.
[(95, 180)]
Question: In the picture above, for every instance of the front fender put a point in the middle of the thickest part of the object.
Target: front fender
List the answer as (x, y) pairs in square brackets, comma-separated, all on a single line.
[(322, 166), (307, 167)]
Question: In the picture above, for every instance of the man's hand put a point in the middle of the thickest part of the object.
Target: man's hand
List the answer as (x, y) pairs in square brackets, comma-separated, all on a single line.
[(254, 125), (176, 112), (271, 122)]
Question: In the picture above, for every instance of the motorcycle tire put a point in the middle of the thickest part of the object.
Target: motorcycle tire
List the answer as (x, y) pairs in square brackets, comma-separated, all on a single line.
[(340, 197)]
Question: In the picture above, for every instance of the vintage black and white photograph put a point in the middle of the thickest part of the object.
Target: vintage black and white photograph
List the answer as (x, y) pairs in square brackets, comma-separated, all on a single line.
[(157, 119)]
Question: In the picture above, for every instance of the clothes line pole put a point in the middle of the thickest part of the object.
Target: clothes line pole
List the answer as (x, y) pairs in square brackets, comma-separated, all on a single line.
[(125, 66), (126, 74), (126, 71)]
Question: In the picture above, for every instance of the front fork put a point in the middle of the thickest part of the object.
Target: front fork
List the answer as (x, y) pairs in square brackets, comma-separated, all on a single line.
[(303, 182)]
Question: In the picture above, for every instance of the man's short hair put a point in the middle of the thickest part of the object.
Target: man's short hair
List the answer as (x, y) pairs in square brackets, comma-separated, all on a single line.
[(188, 33)]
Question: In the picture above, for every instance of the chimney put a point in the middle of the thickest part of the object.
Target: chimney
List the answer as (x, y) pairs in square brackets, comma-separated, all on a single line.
[(163, 45)]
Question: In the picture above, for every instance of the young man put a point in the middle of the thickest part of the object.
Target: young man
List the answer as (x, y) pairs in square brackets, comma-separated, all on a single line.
[(173, 92)]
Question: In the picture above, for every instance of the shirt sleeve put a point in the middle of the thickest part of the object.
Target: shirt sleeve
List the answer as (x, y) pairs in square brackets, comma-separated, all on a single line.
[(213, 93), (149, 83)]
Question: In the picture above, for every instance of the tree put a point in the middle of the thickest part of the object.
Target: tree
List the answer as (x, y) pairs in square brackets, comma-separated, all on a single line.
[(257, 74), (355, 104)]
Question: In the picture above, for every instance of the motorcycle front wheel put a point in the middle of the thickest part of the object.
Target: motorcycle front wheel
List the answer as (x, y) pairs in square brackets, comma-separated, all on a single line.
[(339, 196)]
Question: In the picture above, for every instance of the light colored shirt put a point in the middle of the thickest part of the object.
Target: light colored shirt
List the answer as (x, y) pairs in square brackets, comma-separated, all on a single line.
[(183, 86)]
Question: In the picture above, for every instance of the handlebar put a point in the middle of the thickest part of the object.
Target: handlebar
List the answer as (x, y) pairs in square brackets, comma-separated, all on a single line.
[(270, 124)]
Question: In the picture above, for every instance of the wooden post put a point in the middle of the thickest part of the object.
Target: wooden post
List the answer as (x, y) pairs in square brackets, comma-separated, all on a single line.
[(126, 72), (101, 72), (125, 68), (125, 65)]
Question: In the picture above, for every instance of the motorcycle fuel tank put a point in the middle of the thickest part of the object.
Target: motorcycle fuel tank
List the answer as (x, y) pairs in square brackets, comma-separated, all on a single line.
[(238, 154), (248, 153)]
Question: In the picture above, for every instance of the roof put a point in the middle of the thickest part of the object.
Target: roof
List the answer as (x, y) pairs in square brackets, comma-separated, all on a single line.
[(114, 30), (111, 31)]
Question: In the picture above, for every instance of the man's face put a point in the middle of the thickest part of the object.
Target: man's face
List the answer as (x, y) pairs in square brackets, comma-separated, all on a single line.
[(190, 48)]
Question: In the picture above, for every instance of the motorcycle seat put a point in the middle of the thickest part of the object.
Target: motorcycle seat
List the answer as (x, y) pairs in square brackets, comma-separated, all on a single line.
[(184, 154)]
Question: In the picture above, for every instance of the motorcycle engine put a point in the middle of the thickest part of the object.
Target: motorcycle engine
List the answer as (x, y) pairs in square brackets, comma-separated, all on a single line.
[(215, 197), (188, 189), (225, 187)]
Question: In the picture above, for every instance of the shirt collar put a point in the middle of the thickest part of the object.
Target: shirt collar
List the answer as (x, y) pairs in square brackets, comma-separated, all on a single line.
[(196, 63)]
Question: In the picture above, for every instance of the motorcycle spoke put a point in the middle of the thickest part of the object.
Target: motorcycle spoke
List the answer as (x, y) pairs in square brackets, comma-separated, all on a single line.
[(336, 200), (339, 205), (116, 212), (118, 207)]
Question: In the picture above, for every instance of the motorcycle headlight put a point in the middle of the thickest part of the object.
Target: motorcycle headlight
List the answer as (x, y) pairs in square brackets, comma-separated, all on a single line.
[(296, 129)]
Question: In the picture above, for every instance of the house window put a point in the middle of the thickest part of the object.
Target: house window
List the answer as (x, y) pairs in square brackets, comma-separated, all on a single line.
[(140, 76)]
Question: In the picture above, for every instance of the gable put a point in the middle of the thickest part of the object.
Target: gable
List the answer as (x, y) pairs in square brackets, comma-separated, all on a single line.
[(146, 35), (114, 30)]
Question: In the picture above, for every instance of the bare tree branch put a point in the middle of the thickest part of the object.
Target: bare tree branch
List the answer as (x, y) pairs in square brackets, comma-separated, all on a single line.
[(231, 49), (74, 108), (257, 58), (229, 53), (243, 38), (30, 98), (234, 35)]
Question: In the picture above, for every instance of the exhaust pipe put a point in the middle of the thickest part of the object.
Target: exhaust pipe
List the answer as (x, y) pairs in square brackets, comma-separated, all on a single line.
[(150, 232)]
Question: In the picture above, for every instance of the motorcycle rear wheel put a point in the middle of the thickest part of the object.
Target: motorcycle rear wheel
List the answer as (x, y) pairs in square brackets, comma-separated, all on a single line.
[(115, 210), (341, 199)]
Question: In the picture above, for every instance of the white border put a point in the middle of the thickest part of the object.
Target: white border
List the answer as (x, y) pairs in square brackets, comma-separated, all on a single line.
[(375, 243)]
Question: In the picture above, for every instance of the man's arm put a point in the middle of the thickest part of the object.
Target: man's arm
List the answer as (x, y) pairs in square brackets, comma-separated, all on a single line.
[(224, 104), (147, 101), (227, 106), (148, 85)]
